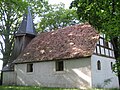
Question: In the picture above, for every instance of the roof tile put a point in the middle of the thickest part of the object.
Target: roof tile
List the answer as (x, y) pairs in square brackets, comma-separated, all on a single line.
[(69, 42)]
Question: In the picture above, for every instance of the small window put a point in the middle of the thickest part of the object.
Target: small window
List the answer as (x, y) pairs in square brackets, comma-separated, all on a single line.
[(111, 65), (29, 67), (59, 66), (106, 44), (98, 65), (101, 41)]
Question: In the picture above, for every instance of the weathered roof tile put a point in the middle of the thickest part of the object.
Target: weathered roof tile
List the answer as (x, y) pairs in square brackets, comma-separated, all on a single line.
[(70, 42)]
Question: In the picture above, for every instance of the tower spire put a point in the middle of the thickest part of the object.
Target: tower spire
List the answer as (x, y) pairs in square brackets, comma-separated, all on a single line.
[(27, 26), (26, 32)]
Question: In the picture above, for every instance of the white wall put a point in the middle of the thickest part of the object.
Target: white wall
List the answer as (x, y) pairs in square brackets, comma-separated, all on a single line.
[(9, 78), (99, 76), (76, 74)]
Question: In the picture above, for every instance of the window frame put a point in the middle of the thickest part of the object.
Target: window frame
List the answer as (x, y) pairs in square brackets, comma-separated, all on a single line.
[(59, 66), (111, 64), (29, 68)]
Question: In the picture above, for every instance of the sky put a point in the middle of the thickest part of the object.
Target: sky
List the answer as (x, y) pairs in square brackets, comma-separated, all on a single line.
[(67, 4)]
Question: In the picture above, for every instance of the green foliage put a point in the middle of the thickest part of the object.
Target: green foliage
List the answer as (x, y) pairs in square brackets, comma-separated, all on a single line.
[(116, 67), (104, 15), (43, 88), (10, 13), (31, 88), (57, 17), (38, 7)]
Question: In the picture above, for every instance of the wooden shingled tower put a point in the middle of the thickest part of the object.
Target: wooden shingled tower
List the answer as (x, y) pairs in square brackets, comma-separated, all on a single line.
[(26, 32)]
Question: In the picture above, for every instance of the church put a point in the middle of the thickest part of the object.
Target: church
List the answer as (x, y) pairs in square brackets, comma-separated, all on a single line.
[(71, 57)]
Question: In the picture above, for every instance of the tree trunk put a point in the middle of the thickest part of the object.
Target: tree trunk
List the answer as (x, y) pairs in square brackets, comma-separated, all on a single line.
[(115, 42)]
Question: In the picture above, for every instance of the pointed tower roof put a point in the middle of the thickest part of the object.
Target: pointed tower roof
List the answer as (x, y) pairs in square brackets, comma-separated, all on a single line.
[(27, 26)]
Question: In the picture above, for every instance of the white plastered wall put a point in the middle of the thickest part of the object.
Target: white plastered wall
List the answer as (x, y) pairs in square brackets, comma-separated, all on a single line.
[(76, 74), (105, 74)]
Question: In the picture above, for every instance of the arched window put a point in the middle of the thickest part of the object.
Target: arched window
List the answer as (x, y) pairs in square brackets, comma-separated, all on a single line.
[(98, 65)]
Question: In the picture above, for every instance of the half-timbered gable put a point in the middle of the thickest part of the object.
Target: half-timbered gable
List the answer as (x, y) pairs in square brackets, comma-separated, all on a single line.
[(104, 47)]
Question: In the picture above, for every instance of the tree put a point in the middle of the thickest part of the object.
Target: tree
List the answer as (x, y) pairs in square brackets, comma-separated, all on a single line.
[(10, 13), (104, 15), (57, 17)]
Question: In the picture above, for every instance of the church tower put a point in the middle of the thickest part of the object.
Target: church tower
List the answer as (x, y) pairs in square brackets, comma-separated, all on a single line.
[(26, 32)]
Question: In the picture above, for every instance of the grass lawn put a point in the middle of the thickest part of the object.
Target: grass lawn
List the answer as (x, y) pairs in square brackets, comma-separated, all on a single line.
[(40, 88), (31, 88)]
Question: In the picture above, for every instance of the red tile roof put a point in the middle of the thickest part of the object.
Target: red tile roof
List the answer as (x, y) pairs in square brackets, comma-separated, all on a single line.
[(69, 42)]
